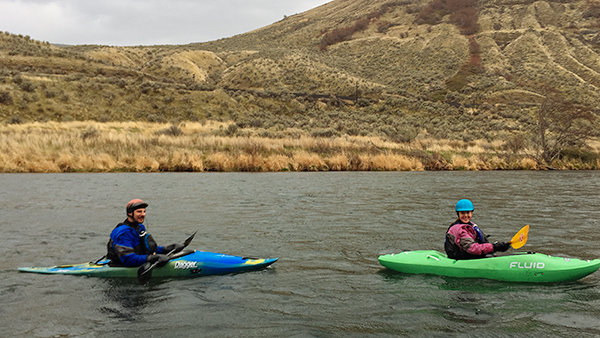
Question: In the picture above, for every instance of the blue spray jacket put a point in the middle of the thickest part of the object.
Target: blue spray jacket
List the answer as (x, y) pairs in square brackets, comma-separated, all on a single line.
[(130, 244)]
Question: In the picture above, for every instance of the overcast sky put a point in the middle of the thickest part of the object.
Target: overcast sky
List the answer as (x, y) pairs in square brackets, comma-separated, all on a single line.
[(142, 22)]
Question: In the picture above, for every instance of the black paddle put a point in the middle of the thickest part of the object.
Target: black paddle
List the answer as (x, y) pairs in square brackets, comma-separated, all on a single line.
[(145, 271)]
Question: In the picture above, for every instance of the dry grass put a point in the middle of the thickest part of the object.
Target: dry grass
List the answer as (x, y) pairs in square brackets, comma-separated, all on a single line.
[(390, 162), (147, 147)]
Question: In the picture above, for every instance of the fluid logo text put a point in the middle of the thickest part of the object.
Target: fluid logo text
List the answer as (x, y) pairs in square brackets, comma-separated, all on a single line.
[(527, 265)]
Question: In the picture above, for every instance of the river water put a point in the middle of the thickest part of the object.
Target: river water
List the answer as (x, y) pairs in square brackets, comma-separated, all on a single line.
[(327, 229)]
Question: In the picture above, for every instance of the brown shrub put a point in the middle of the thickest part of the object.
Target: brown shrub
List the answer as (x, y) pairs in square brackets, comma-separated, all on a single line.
[(340, 34), (463, 14), (253, 162), (466, 20), (277, 163), (338, 162), (305, 161), (219, 162)]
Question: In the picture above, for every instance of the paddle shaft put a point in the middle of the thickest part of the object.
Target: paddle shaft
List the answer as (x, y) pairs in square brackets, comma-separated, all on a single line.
[(185, 243), (141, 275), (156, 263)]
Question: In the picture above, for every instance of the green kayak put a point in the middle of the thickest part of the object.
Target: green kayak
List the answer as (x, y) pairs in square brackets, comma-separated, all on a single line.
[(519, 267)]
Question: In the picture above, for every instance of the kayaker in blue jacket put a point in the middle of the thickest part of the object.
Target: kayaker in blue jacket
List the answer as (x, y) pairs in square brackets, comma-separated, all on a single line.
[(131, 245), (464, 239)]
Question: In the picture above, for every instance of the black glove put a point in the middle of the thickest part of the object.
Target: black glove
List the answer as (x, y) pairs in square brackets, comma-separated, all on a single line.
[(161, 259), (177, 247), (501, 246)]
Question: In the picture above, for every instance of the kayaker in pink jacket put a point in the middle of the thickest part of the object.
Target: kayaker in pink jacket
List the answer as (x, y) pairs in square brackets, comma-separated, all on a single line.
[(464, 239)]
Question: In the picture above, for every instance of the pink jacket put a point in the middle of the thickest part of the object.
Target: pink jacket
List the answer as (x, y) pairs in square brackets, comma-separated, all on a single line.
[(465, 237)]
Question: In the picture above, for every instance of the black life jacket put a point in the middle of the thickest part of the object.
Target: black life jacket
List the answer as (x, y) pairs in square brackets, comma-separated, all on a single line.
[(455, 252)]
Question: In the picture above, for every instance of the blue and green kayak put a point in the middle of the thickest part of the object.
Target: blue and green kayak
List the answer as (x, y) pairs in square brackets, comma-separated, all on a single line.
[(190, 263), (518, 267)]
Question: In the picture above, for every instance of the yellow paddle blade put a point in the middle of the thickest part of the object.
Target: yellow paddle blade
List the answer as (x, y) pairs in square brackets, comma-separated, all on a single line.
[(520, 238)]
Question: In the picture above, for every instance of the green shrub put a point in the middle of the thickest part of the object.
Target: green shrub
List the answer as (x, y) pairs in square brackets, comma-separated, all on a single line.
[(27, 86), (583, 155), (15, 119), (232, 129), (593, 10), (49, 93), (155, 118), (173, 130), (329, 132), (29, 98), (104, 118), (90, 133), (515, 143), (5, 98)]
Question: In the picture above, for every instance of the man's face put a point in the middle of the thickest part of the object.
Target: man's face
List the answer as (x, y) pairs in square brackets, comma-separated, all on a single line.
[(138, 215)]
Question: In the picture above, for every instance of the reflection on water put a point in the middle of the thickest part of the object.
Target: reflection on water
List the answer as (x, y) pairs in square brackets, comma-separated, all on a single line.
[(125, 300), (328, 230)]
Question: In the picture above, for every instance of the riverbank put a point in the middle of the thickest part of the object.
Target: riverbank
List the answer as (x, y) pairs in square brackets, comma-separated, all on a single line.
[(211, 146)]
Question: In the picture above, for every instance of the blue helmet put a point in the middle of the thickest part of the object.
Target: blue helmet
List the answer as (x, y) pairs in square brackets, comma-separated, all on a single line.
[(464, 205)]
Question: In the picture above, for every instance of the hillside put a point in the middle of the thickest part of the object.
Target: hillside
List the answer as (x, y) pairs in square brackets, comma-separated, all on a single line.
[(456, 69)]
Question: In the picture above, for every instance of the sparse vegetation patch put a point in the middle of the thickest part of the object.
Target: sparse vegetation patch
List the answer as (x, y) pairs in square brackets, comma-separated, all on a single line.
[(338, 35)]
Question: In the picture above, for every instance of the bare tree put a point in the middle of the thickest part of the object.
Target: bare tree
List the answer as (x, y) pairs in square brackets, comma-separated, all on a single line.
[(561, 124)]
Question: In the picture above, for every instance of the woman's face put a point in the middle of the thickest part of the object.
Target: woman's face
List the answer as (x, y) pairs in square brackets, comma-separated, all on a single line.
[(465, 216)]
